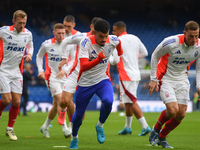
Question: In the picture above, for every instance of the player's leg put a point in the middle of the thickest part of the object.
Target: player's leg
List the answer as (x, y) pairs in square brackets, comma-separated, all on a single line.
[(5, 101), (13, 113), (25, 95), (83, 96), (105, 92), (129, 116)]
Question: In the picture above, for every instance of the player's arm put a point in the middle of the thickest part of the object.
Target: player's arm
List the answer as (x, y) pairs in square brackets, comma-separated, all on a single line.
[(119, 48), (142, 49), (114, 58), (158, 52), (85, 64), (29, 50), (198, 75), (39, 61)]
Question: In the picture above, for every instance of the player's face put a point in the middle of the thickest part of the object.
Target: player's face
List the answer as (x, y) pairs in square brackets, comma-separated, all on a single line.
[(191, 37), (116, 31), (69, 26), (100, 37), (19, 23), (59, 34)]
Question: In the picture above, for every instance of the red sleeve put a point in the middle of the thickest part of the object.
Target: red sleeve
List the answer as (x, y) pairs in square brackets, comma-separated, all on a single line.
[(119, 48), (85, 64)]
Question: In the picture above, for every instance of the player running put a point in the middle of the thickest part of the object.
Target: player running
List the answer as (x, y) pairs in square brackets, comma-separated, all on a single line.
[(14, 41)]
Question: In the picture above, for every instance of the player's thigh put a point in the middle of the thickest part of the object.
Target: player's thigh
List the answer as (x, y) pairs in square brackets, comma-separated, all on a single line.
[(55, 87), (128, 91), (104, 90), (70, 84), (167, 92), (182, 92), (5, 85), (16, 84)]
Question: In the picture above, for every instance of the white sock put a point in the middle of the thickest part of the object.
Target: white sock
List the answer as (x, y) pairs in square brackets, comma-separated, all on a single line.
[(63, 109), (9, 128), (128, 122), (47, 123), (64, 126), (143, 122), (100, 124), (75, 137)]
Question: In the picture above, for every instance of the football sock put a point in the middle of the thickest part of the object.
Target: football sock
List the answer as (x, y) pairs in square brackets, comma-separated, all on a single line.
[(64, 126), (14, 110), (161, 120), (100, 124), (63, 109), (75, 137), (128, 122), (143, 122), (169, 126), (47, 123), (2, 107), (69, 117)]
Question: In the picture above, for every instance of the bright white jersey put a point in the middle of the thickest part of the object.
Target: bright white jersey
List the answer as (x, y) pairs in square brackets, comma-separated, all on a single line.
[(175, 59), (132, 49), (12, 49), (75, 39), (53, 56), (90, 49), (70, 50)]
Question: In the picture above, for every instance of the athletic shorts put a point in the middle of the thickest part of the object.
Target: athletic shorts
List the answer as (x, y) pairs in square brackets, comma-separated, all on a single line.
[(171, 91), (55, 87), (71, 83), (128, 91), (11, 83)]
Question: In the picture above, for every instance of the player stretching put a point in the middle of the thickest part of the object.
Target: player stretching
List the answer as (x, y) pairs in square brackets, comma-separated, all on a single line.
[(93, 78), (14, 41), (170, 78), (55, 79), (71, 82), (129, 75)]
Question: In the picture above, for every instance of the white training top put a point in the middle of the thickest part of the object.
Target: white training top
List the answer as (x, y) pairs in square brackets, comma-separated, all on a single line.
[(71, 40), (133, 49), (175, 59), (12, 49), (53, 56), (90, 49)]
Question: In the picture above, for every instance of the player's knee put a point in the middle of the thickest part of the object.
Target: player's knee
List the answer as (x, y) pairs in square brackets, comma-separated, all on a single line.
[(173, 112), (108, 102), (16, 103)]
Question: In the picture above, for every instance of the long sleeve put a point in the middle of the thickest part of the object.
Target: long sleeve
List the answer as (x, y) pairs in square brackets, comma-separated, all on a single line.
[(114, 58), (143, 51), (198, 73), (39, 58), (29, 46), (119, 48)]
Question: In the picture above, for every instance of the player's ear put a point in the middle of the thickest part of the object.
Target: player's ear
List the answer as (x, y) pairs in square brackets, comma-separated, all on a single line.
[(53, 32), (13, 20)]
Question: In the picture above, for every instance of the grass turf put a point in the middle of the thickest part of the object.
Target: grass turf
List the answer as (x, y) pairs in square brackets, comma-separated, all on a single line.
[(184, 137)]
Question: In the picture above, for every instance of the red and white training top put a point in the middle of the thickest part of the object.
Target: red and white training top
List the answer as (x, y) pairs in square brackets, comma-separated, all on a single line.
[(12, 49), (132, 49), (68, 41), (175, 59), (53, 56), (90, 49)]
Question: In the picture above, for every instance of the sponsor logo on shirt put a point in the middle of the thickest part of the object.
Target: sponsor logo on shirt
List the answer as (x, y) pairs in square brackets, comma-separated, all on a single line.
[(178, 52), (104, 61), (15, 48), (10, 37), (180, 61), (55, 58)]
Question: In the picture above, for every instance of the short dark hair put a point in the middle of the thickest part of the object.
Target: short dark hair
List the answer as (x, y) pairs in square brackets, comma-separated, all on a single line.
[(191, 25), (120, 25), (102, 26), (58, 26), (69, 18), (95, 19)]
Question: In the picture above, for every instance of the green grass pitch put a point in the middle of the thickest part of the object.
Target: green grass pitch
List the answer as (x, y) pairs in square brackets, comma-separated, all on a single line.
[(185, 137)]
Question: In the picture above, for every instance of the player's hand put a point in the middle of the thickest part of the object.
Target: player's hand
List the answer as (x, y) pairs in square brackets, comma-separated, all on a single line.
[(64, 61), (198, 91), (41, 75), (60, 74), (153, 85), (101, 55), (28, 57)]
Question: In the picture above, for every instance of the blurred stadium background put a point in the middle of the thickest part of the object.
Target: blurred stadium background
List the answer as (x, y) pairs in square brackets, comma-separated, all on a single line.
[(150, 20)]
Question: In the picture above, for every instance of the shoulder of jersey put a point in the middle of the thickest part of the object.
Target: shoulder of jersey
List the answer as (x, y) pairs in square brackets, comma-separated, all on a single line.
[(46, 42), (171, 40), (4, 28), (113, 39)]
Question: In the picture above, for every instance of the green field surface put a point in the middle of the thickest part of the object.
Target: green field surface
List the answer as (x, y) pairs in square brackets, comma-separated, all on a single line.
[(185, 137)]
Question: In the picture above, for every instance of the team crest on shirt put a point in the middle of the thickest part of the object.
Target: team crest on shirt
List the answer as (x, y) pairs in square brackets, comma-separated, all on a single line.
[(196, 53), (24, 39), (109, 49), (166, 94)]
